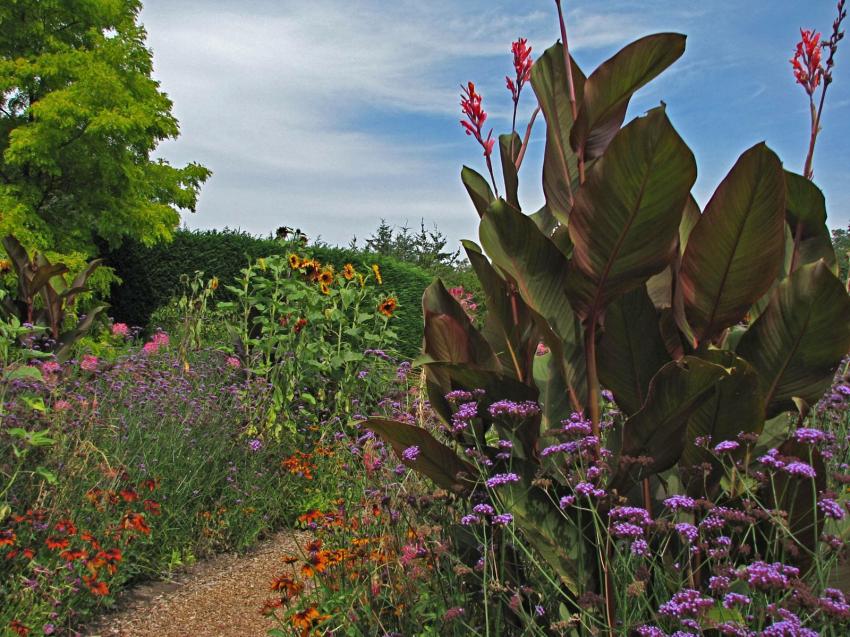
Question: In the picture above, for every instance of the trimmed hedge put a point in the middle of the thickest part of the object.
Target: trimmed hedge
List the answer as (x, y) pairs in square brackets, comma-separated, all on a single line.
[(151, 275)]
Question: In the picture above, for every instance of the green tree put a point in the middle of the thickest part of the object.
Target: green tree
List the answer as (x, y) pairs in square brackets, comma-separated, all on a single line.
[(841, 245), (80, 116)]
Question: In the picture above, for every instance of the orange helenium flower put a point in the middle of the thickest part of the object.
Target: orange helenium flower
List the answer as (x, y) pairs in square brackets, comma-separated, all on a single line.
[(348, 271), (387, 307)]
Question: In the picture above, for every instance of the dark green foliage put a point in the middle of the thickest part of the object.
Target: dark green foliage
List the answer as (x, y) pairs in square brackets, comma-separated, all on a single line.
[(151, 275)]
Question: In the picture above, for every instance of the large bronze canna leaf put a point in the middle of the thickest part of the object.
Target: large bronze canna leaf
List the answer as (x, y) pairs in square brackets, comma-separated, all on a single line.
[(610, 87), (631, 349), (800, 339), (508, 326), (737, 405), (560, 162), (805, 210), (435, 459), (624, 225), (657, 431), (450, 336), (479, 190), (735, 251), (517, 246)]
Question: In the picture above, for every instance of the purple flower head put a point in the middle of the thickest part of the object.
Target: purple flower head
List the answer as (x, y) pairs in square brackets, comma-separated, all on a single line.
[(831, 508), (511, 409), (635, 515), (688, 531), (467, 520), (500, 479), (800, 469), (640, 548), (577, 426), (411, 453), (686, 603), (764, 576), (730, 600), (810, 436), (727, 446), (771, 459), (834, 603), (567, 501), (563, 447), (650, 631), (718, 583), (627, 530), (255, 444), (680, 502), (465, 413), (502, 519), (483, 509)]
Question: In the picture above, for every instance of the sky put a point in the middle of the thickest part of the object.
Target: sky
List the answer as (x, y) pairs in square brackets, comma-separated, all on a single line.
[(330, 115)]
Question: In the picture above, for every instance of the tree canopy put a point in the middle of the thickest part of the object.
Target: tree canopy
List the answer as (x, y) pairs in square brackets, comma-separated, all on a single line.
[(80, 116)]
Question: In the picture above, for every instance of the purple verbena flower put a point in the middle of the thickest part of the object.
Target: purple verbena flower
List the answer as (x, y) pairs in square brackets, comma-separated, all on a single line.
[(502, 518), (686, 603), (500, 479), (411, 453)]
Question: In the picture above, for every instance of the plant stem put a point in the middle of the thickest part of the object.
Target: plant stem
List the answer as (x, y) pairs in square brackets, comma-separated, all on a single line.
[(525, 139)]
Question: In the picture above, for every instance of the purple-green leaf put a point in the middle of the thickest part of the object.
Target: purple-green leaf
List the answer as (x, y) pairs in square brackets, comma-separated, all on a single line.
[(799, 340), (624, 225), (610, 87), (735, 251)]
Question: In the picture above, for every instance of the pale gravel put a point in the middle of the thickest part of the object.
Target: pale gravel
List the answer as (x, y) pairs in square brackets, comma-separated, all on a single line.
[(219, 597)]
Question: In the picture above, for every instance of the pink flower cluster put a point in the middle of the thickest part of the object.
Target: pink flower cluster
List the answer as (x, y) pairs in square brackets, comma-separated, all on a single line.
[(160, 340), (120, 329)]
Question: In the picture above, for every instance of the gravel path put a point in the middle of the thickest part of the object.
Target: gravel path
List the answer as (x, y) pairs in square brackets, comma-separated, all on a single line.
[(220, 597)]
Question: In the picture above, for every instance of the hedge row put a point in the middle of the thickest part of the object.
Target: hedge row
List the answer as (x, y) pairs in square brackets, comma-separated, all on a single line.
[(151, 275)]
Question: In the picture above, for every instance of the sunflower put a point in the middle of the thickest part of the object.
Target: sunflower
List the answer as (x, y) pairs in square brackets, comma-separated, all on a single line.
[(213, 283), (326, 276), (348, 271), (5, 266), (294, 261), (312, 268), (377, 271), (387, 307), (325, 288)]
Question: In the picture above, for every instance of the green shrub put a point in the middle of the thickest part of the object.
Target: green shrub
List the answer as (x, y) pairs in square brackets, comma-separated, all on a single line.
[(151, 275)]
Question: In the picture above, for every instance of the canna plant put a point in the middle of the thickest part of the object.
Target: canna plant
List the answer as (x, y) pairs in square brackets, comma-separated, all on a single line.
[(40, 280), (701, 323)]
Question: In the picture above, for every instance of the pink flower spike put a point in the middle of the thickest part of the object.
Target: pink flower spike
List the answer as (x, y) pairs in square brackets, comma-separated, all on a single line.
[(470, 103), (522, 67)]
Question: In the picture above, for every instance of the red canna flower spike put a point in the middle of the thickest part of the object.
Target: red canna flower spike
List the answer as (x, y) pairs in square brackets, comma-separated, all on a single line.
[(470, 103), (522, 67), (808, 70)]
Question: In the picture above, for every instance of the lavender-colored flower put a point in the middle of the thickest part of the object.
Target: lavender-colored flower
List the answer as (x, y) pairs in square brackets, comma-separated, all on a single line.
[(506, 444), (789, 626), (680, 502), (688, 531), (800, 469), (584, 488), (607, 395), (831, 508), (771, 459), (576, 425), (834, 603), (626, 530), (810, 436), (539, 610), (502, 518), (686, 603), (766, 576), (650, 631), (470, 519), (730, 600), (465, 413), (640, 548), (635, 515), (411, 453), (459, 395), (255, 444), (509, 408), (563, 447), (567, 501), (718, 583), (483, 509), (363, 373), (727, 446), (500, 479)]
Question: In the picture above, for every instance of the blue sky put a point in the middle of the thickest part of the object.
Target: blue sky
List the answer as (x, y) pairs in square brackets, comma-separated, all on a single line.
[(330, 115)]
